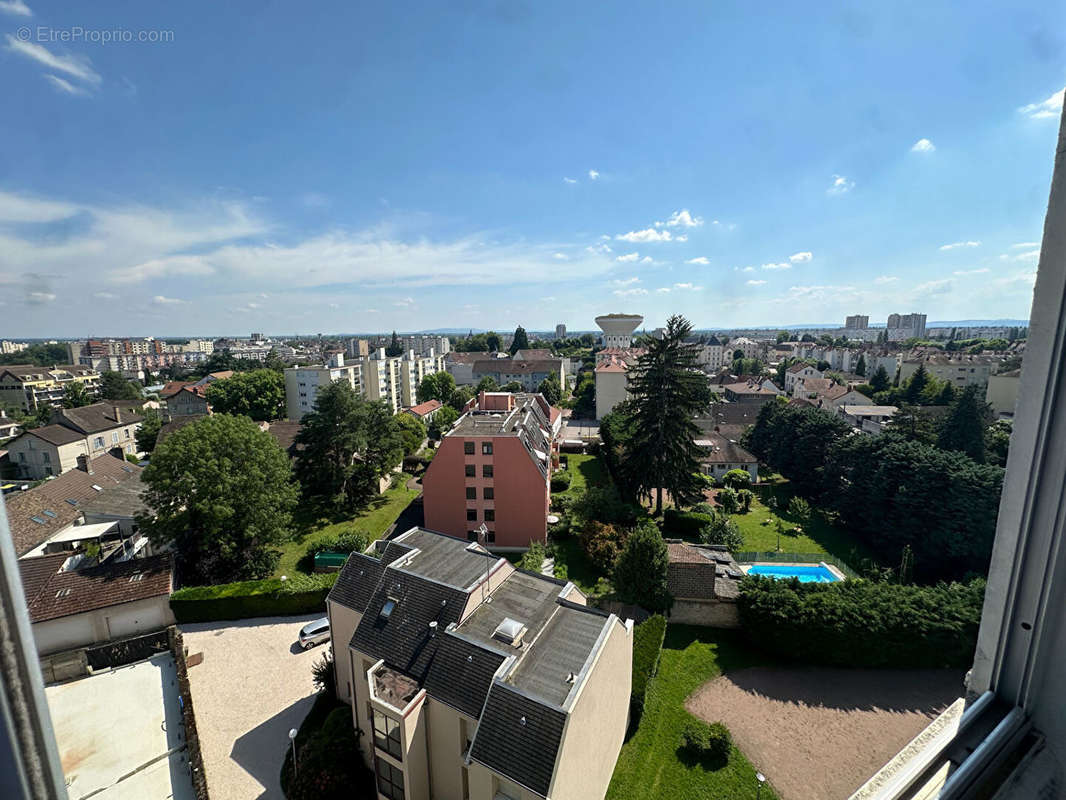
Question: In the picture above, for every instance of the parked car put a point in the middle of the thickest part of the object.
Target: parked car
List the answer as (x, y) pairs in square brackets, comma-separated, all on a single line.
[(314, 632)]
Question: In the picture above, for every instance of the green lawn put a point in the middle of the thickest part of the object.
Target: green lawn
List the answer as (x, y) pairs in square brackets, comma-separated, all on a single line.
[(586, 471), (374, 520), (820, 535), (649, 766), (578, 569)]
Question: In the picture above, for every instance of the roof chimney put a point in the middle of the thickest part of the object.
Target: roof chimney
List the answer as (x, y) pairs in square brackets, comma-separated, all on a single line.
[(84, 464), (118, 414)]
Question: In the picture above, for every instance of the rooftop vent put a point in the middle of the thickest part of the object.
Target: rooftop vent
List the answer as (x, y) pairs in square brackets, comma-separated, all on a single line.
[(136, 576), (510, 631)]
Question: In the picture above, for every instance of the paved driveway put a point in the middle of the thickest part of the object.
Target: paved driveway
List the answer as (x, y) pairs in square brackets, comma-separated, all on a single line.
[(253, 686)]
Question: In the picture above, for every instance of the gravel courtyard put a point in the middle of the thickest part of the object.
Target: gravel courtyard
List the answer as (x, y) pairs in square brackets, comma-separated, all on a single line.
[(819, 734), (253, 686)]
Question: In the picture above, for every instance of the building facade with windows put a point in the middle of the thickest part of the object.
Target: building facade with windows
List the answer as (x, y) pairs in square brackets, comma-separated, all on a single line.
[(74, 433), (493, 468), (30, 387), (474, 680), (302, 384)]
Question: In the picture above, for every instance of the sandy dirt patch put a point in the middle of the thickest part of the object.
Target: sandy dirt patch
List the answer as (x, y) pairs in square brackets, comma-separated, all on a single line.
[(819, 734)]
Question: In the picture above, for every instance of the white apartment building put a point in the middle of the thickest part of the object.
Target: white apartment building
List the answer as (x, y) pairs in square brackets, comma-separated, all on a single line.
[(426, 344), (960, 370), (749, 347), (905, 326), (302, 384), (413, 368), (712, 357), (7, 347)]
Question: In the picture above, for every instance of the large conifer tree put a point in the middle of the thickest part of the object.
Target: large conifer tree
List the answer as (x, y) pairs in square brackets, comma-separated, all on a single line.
[(667, 389)]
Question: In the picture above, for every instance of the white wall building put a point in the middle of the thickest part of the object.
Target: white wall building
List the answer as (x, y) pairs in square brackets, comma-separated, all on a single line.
[(302, 384)]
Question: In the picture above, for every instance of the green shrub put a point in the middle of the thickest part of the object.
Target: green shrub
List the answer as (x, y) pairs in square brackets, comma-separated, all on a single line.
[(560, 481), (710, 744), (330, 767), (799, 508), (858, 623), (737, 479), (348, 541), (561, 571), (301, 594), (533, 558), (647, 647), (723, 531), (684, 523), (132, 458)]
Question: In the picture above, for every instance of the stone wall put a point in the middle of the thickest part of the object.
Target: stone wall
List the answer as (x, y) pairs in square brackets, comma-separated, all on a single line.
[(711, 613)]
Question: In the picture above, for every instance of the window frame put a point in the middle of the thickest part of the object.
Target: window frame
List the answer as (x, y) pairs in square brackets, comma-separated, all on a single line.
[(394, 791), (471, 470), (488, 493), (468, 447), (389, 736), (486, 448)]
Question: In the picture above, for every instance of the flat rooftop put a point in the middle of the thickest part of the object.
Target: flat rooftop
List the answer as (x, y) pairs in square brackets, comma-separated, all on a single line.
[(488, 423), (560, 651), (529, 599), (441, 560)]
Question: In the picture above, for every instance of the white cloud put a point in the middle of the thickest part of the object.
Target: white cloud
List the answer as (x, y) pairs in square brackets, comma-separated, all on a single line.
[(980, 271), (882, 279), (746, 269), (687, 287), (19, 208), (65, 86), (782, 265), (253, 305), (663, 290), (800, 258), (682, 238), (682, 219), (628, 258), (630, 292), (1052, 107), (755, 283), (625, 281), (699, 260), (370, 311), (593, 174), (923, 146), (334, 305), (956, 245), (1025, 244), (598, 249), (160, 300), (840, 185), (16, 8), (404, 302), (560, 256), (1031, 255), (647, 260), (105, 296), (646, 235), (933, 287), (76, 66), (569, 180), (39, 298)]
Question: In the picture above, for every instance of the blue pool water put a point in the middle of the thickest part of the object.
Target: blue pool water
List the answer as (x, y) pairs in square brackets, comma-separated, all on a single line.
[(812, 574)]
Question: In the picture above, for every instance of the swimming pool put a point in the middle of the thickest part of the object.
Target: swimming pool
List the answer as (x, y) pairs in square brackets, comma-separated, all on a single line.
[(808, 573)]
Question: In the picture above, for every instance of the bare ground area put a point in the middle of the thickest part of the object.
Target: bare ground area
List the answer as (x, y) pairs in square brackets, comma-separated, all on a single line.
[(819, 734)]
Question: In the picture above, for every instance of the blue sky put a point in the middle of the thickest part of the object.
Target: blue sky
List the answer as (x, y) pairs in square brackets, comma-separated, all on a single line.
[(358, 167)]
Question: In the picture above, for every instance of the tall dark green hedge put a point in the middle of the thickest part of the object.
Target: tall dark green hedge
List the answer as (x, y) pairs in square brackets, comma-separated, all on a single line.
[(863, 624), (246, 599), (684, 523), (647, 647)]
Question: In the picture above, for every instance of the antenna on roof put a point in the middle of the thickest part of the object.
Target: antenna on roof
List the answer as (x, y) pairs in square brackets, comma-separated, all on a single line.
[(483, 538)]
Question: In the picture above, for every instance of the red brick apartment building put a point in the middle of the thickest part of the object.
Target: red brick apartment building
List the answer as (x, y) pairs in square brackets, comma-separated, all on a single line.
[(493, 468)]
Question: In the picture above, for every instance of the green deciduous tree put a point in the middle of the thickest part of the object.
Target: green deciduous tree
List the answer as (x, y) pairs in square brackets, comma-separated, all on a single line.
[(721, 530), (964, 426), (76, 395), (551, 389), (346, 445), (585, 396), (114, 386), (487, 384), (221, 491), (997, 442), (511, 386), (259, 394), (442, 421), (436, 386), (148, 431), (667, 389), (520, 340), (737, 479), (460, 396), (412, 432), (639, 574)]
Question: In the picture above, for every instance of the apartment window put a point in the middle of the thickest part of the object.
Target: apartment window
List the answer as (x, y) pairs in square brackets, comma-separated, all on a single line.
[(486, 471), (471, 536), (390, 779), (486, 448), (98, 442), (490, 515), (114, 437), (471, 470), (127, 433), (489, 493), (491, 537), (387, 735), (471, 515), (471, 493), (468, 448)]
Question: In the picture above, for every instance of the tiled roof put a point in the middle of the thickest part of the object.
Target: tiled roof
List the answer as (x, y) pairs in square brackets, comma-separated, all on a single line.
[(31, 372), (533, 355), (122, 500), (284, 431), (746, 388), (357, 581), (51, 593), (508, 366), (519, 737), (724, 451), (56, 434), (173, 387), (427, 407), (54, 496), (96, 418), (461, 673)]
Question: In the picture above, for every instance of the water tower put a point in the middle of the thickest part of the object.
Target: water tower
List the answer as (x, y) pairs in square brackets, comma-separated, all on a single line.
[(618, 328)]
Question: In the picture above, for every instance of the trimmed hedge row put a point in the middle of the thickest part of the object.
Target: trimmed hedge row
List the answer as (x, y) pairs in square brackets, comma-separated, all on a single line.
[(245, 599), (684, 523), (862, 624), (648, 639)]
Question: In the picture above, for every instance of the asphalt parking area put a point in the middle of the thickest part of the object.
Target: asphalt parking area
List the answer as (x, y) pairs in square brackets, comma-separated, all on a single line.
[(253, 685)]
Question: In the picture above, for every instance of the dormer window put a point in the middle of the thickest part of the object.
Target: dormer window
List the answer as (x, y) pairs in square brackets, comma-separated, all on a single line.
[(387, 609)]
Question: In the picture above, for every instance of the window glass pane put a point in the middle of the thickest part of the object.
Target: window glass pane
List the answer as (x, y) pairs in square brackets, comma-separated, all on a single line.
[(470, 470)]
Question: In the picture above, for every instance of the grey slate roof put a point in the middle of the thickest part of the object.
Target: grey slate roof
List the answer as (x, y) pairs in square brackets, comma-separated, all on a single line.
[(562, 649), (56, 434), (123, 500), (403, 640), (357, 580), (519, 737), (461, 673), (441, 560)]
